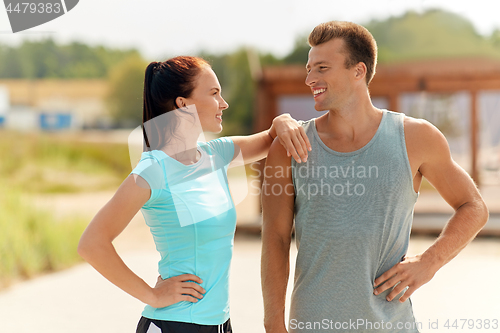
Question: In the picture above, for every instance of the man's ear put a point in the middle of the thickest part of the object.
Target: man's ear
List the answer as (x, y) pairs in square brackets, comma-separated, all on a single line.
[(181, 102), (360, 70)]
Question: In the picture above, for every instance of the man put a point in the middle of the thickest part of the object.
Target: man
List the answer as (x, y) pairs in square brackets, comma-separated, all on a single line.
[(352, 201)]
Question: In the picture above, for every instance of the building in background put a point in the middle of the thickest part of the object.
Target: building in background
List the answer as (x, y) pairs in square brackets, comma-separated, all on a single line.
[(4, 104), (459, 96), (53, 104)]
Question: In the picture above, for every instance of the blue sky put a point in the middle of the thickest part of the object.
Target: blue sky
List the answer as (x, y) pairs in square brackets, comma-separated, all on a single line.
[(163, 28)]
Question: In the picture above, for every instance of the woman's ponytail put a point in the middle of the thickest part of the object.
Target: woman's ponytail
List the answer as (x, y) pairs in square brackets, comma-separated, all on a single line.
[(147, 107), (163, 83)]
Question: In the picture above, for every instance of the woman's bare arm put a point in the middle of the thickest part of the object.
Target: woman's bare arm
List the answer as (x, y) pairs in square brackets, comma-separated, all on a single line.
[(97, 249), (290, 134)]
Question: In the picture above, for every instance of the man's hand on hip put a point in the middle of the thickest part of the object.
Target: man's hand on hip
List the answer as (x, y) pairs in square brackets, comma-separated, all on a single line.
[(412, 272)]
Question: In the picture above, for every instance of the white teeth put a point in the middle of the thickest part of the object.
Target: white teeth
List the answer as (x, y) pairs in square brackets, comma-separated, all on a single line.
[(318, 91)]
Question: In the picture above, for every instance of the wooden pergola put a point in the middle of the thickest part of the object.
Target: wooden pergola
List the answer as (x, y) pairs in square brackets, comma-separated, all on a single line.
[(390, 81)]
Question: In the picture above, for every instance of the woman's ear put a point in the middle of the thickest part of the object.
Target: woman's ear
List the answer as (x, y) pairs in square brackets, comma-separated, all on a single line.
[(180, 102)]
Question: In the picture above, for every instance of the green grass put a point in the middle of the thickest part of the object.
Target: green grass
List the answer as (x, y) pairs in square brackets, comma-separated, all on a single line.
[(31, 240), (39, 163)]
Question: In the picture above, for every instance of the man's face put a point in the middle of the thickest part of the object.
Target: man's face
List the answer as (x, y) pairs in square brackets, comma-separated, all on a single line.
[(327, 76)]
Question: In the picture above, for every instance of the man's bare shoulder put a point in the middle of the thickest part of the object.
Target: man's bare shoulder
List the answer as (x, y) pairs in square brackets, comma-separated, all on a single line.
[(421, 136), (418, 127)]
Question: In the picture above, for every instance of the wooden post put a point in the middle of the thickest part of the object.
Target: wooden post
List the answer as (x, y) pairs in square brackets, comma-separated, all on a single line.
[(474, 138), (264, 110), (394, 102)]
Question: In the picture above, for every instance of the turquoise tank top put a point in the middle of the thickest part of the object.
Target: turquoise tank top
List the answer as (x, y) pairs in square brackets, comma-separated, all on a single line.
[(353, 215), (192, 218)]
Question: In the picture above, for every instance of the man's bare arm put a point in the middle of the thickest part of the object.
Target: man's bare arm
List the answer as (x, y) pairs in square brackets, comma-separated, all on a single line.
[(459, 191), (277, 209)]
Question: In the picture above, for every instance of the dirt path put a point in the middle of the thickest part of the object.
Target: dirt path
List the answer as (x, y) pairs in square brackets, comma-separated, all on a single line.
[(79, 300), (136, 235)]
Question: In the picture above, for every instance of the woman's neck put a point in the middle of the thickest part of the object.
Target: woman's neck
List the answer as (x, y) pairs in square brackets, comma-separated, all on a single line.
[(184, 150)]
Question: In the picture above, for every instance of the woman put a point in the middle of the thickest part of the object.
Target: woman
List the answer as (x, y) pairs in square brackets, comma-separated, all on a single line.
[(180, 185)]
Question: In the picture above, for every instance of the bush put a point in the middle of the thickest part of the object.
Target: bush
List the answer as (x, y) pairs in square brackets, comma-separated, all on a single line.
[(31, 240)]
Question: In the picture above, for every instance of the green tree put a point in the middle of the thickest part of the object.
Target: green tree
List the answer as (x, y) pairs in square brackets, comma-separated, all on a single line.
[(238, 89), (299, 53), (46, 59), (39, 59), (433, 34), (495, 38), (126, 86), (240, 96), (10, 64)]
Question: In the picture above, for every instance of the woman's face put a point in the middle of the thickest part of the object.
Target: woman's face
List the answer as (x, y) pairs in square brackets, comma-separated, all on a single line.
[(208, 100)]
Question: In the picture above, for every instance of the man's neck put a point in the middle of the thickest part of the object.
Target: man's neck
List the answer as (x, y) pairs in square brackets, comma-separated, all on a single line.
[(351, 121)]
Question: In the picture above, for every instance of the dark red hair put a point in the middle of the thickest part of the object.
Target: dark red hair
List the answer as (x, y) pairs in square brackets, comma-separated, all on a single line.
[(163, 83)]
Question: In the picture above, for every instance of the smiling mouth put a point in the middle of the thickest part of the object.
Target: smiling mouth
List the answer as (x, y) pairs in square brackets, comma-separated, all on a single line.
[(219, 117), (317, 92)]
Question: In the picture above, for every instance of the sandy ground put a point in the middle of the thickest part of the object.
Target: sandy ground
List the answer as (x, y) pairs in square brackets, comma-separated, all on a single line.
[(79, 300)]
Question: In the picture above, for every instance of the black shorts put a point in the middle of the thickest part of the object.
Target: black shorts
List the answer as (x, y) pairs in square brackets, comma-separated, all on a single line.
[(147, 325)]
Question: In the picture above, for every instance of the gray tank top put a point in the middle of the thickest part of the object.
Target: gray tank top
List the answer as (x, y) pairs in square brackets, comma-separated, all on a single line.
[(353, 215)]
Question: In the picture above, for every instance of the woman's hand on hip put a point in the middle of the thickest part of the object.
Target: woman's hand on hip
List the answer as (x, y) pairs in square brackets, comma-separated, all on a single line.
[(176, 289)]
